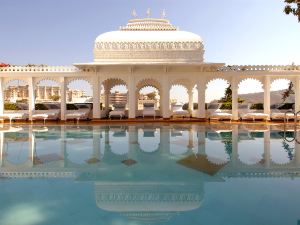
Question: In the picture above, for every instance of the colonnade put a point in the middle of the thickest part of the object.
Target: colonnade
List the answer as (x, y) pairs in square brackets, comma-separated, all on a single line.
[(189, 77)]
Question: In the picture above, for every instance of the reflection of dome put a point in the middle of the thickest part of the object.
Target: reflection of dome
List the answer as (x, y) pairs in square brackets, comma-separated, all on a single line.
[(147, 39), (148, 201)]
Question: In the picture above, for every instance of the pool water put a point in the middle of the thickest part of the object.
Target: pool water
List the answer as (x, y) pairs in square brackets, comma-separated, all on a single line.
[(150, 174)]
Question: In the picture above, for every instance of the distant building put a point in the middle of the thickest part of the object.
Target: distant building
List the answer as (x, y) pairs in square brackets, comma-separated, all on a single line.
[(42, 94)]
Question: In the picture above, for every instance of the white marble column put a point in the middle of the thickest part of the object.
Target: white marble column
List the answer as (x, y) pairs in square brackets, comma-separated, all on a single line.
[(132, 97), (297, 94), (1, 96), (96, 96), (106, 98), (267, 153), (234, 88), (191, 105), (201, 84), (31, 99), (165, 98), (63, 98), (267, 95)]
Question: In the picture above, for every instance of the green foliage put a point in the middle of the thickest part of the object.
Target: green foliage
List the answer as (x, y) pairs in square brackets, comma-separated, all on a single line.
[(11, 106), (22, 101), (228, 96), (151, 95), (55, 97), (257, 106), (292, 7), (226, 106), (40, 106), (286, 106), (288, 92)]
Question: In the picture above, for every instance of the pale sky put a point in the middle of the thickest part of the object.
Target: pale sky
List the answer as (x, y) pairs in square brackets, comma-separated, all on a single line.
[(62, 32)]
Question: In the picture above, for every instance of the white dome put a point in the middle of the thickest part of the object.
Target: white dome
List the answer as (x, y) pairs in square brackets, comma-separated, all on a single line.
[(149, 41)]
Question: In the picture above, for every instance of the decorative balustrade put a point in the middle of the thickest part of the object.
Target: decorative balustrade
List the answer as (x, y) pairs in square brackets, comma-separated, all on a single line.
[(260, 68), (39, 69)]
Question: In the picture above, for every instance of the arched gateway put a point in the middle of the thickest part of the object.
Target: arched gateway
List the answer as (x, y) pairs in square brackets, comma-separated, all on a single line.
[(147, 49)]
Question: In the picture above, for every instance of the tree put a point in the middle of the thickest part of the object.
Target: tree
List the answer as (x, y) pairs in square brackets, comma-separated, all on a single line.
[(228, 96), (54, 97), (293, 7), (151, 95), (288, 92)]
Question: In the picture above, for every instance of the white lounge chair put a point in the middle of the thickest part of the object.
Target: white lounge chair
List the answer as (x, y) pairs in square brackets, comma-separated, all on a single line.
[(178, 111), (46, 115), (119, 110), (78, 112), (215, 113), (246, 114), (15, 115), (149, 110), (282, 114)]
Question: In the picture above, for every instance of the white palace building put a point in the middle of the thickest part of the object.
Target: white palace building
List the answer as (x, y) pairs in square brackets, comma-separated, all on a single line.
[(150, 52)]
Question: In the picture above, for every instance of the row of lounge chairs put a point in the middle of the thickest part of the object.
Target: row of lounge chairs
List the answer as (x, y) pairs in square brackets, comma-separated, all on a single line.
[(245, 113), (81, 113), (213, 113)]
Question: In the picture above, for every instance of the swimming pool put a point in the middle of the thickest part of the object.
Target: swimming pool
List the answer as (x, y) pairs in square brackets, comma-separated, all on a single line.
[(150, 174)]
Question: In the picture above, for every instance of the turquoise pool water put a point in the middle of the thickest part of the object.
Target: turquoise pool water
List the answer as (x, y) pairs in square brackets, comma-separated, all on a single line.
[(150, 174)]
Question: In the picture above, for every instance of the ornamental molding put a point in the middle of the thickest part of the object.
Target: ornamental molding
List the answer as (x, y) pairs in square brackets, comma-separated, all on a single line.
[(148, 24), (136, 46)]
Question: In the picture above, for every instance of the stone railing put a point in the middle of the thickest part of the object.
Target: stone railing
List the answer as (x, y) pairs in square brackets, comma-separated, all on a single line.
[(260, 68), (39, 69)]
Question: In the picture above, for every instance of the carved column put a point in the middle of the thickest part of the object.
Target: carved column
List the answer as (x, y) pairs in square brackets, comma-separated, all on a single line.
[(63, 98), (234, 88), (201, 98), (267, 95), (96, 97), (31, 99), (132, 97), (191, 106), (165, 98)]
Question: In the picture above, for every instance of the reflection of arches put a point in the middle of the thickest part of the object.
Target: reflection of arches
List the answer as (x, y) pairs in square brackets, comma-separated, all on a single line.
[(251, 152), (149, 139), (282, 152), (16, 149)]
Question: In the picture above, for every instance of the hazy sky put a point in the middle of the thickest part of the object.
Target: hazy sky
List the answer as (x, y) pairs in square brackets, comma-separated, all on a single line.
[(62, 32)]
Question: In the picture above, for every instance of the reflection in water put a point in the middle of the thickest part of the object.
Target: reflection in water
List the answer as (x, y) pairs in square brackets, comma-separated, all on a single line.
[(148, 173)]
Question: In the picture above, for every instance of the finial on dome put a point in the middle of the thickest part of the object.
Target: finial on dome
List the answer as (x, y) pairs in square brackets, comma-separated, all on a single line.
[(133, 13), (148, 12), (163, 14)]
